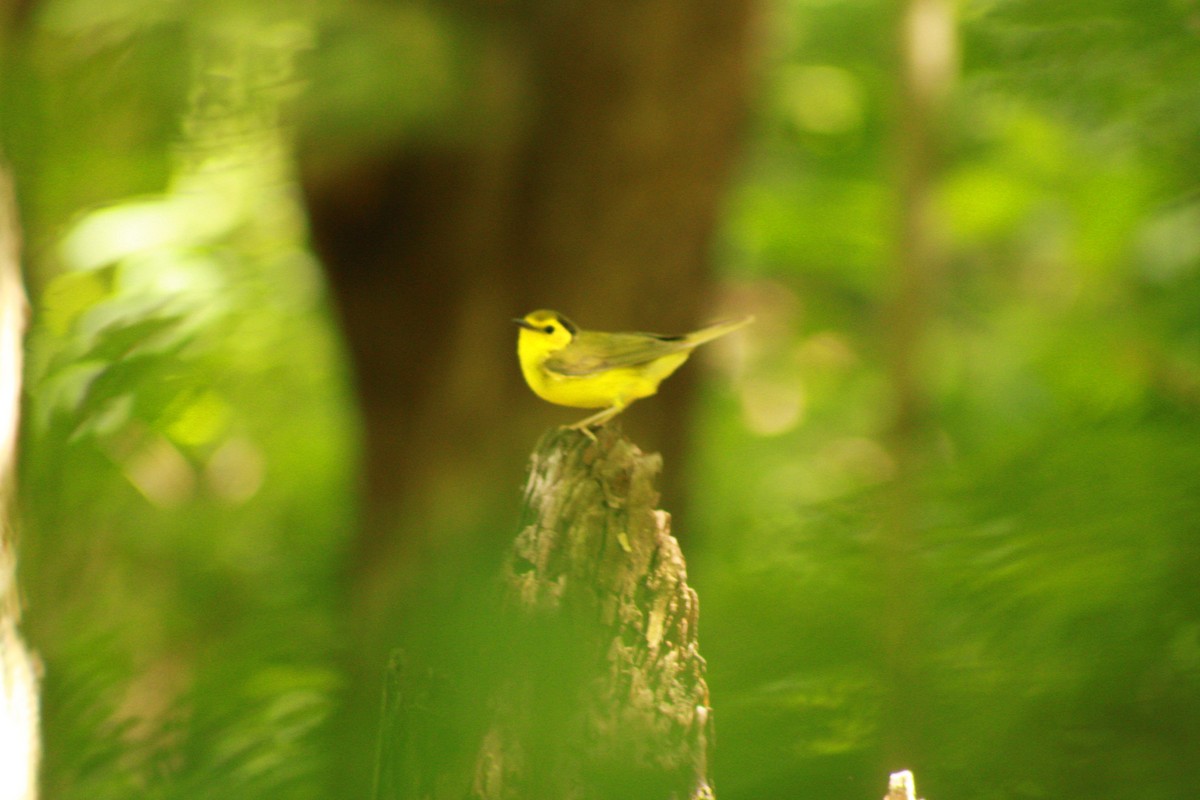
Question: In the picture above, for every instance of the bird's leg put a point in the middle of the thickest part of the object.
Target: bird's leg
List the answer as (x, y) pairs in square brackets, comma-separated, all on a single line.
[(598, 419)]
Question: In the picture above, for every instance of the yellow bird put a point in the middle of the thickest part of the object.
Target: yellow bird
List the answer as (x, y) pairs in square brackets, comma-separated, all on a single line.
[(589, 369)]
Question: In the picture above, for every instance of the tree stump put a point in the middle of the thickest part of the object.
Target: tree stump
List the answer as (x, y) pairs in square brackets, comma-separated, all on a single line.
[(599, 688)]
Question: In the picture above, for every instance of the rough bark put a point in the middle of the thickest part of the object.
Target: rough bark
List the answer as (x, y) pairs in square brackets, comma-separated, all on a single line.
[(600, 689), (20, 745)]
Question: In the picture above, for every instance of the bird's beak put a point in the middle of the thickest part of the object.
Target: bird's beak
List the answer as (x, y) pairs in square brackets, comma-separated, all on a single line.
[(524, 324)]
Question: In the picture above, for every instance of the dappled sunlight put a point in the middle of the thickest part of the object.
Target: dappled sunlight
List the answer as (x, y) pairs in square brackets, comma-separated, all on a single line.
[(138, 228), (821, 99), (772, 406), (236, 470), (187, 408), (160, 472), (207, 272)]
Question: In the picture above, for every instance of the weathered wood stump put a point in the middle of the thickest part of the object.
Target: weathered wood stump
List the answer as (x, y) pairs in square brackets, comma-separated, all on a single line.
[(599, 688)]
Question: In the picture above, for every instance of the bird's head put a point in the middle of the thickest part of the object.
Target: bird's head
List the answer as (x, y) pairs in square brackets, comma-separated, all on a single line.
[(544, 332)]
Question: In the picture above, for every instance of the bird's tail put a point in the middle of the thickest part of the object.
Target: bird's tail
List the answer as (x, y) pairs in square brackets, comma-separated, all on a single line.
[(716, 331)]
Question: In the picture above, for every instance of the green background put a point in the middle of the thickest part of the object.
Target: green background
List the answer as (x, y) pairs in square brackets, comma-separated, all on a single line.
[(188, 487)]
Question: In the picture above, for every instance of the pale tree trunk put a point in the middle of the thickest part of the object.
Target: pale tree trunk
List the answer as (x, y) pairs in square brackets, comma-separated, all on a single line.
[(19, 671)]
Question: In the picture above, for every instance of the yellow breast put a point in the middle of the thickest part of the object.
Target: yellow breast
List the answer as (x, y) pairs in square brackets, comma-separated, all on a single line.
[(604, 389)]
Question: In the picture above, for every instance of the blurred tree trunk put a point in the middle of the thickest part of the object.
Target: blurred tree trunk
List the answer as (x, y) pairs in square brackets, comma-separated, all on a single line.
[(593, 188), (15, 14), (19, 726), (927, 68)]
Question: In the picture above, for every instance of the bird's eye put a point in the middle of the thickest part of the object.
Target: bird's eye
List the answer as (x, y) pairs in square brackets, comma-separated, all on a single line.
[(549, 329)]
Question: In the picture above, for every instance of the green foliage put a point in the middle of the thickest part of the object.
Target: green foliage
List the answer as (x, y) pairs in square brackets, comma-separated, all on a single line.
[(189, 438), (1057, 503), (185, 471)]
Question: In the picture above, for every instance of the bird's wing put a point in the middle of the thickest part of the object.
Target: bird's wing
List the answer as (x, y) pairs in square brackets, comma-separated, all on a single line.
[(589, 353)]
